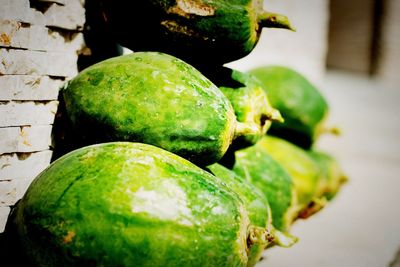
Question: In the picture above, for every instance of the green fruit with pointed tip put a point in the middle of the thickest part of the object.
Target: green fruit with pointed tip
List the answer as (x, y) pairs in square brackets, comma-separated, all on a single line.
[(301, 167), (131, 204), (251, 106), (301, 104), (332, 176), (258, 208), (255, 203), (152, 98), (257, 167), (203, 33)]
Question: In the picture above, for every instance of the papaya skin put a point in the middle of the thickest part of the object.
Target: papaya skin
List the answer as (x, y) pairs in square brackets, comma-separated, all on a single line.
[(152, 98), (256, 205), (130, 204), (301, 104), (303, 170), (259, 211), (251, 105), (257, 167), (202, 33)]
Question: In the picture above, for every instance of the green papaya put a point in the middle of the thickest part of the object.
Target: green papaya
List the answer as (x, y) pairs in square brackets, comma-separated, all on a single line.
[(332, 176), (301, 167), (301, 104), (258, 209), (203, 33), (251, 106), (255, 203), (255, 166), (132, 204), (152, 98)]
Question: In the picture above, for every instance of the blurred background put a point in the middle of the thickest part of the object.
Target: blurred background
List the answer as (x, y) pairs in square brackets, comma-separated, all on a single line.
[(351, 51)]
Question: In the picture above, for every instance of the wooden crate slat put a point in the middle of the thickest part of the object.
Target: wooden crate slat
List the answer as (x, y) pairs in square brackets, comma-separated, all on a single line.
[(27, 113), (25, 139)]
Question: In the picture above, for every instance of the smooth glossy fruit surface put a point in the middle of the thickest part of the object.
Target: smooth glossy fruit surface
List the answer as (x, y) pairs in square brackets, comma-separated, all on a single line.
[(301, 104), (152, 98), (130, 204)]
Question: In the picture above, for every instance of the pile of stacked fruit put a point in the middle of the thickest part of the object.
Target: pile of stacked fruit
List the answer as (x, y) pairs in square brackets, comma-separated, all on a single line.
[(173, 166)]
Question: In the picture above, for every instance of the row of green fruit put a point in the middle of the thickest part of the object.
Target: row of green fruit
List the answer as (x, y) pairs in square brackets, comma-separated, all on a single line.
[(170, 168), (174, 171)]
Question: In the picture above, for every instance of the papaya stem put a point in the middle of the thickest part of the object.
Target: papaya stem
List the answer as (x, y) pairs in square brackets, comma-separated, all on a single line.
[(246, 128), (273, 20), (331, 130), (259, 236), (283, 239)]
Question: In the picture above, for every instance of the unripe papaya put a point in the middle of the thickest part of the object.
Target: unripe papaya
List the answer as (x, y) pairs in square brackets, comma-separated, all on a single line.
[(255, 203), (261, 170), (203, 33), (301, 104), (258, 208), (152, 98), (131, 204), (303, 170), (331, 174), (251, 105)]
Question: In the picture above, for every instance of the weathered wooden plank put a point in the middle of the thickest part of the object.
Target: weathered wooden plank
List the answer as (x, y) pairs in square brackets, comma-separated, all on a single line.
[(61, 2), (25, 139), (12, 190), (16, 166), (27, 113), (23, 62), (69, 16), (33, 37), (29, 87), (20, 10), (4, 212)]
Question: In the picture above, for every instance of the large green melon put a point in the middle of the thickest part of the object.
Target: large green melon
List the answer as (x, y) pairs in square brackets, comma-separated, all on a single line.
[(131, 204), (152, 98)]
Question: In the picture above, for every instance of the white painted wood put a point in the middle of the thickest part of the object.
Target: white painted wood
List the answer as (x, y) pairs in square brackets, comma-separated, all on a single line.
[(35, 62), (70, 16), (23, 165), (25, 139), (4, 212), (61, 2), (27, 113), (12, 190), (33, 37), (29, 87), (8, 192), (20, 10)]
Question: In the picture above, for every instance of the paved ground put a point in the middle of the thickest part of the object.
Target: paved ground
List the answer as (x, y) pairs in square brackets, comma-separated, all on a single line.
[(361, 227)]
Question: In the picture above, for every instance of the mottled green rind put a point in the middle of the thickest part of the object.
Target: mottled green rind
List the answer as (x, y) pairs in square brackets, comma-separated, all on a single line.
[(130, 204), (331, 175), (301, 104), (256, 166), (203, 33), (254, 201), (151, 98), (251, 106), (297, 163)]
